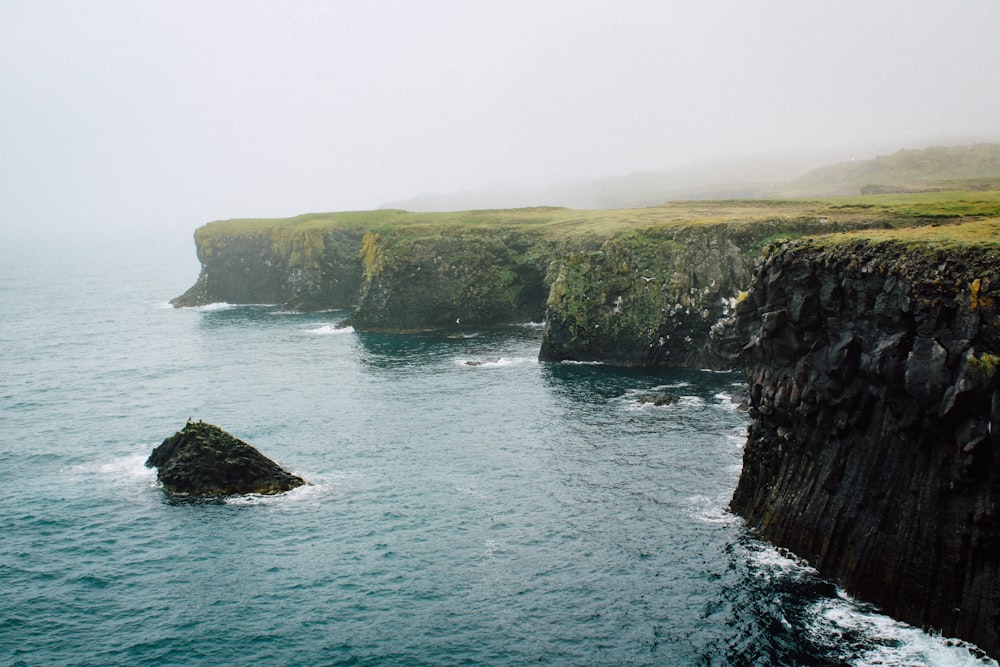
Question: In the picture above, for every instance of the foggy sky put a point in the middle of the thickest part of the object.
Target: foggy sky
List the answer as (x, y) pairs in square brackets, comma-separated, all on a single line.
[(171, 114)]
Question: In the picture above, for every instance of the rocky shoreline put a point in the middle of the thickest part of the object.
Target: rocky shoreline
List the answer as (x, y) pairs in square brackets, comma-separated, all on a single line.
[(873, 362)]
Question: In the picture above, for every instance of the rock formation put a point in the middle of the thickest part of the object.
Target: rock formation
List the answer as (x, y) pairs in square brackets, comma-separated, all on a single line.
[(664, 296), (472, 278), (203, 460), (660, 399), (649, 287), (298, 269), (874, 372), (873, 365)]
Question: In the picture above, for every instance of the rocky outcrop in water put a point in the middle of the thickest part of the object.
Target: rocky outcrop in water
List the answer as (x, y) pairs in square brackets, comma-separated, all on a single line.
[(203, 460), (874, 377)]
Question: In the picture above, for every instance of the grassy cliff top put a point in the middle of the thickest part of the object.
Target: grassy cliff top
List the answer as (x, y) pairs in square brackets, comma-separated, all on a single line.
[(895, 210), (983, 232)]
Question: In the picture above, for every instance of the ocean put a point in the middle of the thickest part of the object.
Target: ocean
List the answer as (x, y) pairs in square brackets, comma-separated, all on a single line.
[(468, 505)]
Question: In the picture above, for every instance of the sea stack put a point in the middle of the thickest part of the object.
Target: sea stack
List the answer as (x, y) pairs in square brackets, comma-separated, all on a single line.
[(204, 460)]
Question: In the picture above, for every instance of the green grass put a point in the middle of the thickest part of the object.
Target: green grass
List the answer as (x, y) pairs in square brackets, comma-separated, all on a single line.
[(562, 224), (985, 232)]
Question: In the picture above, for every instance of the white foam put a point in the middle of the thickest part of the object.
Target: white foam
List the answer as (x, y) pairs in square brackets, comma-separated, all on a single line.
[(298, 494), (209, 307), (726, 400), (496, 362), (133, 465), (886, 641), (776, 561), (681, 402), (129, 470), (873, 639), (712, 510), (330, 329)]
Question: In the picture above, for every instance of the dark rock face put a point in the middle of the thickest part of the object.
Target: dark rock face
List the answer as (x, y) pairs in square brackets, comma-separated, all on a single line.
[(661, 399), (309, 270), (203, 460), (663, 296), (414, 282), (874, 379), (655, 298)]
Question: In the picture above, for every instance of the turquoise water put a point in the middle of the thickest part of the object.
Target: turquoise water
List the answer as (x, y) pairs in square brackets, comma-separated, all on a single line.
[(503, 513)]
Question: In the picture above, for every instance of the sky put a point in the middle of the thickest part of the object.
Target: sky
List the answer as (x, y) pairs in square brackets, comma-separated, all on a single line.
[(142, 114)]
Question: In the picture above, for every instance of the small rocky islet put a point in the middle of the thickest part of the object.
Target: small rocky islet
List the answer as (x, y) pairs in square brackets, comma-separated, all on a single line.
[(202, 460)]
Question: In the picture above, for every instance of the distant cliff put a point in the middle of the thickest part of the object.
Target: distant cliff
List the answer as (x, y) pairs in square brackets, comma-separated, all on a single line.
[(874, 372)]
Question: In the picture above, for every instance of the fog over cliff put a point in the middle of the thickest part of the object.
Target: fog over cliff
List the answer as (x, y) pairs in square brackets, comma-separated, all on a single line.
[(166, 115)]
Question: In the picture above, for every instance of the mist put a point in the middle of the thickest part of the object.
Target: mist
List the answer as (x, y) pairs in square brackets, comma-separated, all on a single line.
[(163, 116)]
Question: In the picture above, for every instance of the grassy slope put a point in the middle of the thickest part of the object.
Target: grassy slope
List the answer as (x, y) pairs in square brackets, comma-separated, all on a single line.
[(967, 167), (895, 210)]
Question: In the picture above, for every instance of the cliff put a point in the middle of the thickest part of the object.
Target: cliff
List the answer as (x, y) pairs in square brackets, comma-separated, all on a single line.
[(664, 296), (471, 277), (874, 377), (873, 355), (638, 287), (310, 262)]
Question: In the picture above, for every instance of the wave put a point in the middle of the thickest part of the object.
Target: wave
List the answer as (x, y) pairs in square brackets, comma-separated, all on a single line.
[(210, 307), (307, 492), (856, 632), (331, 329), (713, 510), (225, 305), (634, 403), (496, 362), (728, 401), (877, 639)]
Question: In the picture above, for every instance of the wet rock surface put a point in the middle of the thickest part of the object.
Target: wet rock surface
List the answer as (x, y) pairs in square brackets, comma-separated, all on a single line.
[(874, 381), (204, 460), (659, 400)]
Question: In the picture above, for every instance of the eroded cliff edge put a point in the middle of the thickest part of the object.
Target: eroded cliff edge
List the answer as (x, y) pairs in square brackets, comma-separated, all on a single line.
[(874, 377)]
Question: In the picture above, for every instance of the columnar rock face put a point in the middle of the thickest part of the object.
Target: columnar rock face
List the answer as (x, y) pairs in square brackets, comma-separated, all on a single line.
[(301, 269), (874, 374), (203, 460)]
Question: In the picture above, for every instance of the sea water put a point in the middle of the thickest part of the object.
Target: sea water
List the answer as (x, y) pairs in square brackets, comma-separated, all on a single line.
[(468, 504)]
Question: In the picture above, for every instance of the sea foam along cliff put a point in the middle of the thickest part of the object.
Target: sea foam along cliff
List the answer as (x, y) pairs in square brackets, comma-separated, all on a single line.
[(874, 377)]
